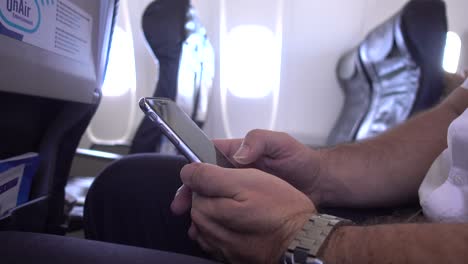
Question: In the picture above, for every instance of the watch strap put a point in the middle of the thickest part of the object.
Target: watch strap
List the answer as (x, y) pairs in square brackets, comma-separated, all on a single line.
[(309, 241)]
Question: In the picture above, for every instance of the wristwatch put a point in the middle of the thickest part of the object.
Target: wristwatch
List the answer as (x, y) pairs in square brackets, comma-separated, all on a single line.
[(306, 245)]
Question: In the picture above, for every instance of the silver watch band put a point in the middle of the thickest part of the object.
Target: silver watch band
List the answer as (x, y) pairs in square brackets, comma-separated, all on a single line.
[(308, 242)]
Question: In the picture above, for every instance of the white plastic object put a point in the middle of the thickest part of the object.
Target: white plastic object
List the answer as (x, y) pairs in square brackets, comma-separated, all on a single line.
[(444, 192), (465, 84)]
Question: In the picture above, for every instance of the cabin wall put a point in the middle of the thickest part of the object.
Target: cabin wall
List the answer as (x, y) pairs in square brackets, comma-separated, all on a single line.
[(309, 37), (315, 35)]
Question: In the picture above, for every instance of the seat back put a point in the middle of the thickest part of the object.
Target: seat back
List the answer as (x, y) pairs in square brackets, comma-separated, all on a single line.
[(394, 73), (52, 126), (186, 66)]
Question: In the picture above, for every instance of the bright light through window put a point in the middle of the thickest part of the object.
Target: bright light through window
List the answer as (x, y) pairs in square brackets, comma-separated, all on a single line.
[(452, 52), (120, 77), (250, 61)]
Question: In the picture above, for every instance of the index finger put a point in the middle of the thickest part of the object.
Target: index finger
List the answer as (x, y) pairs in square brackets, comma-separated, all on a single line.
[(212, 181)]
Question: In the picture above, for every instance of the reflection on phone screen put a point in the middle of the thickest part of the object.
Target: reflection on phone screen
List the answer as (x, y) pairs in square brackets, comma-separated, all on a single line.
[(188, 131)]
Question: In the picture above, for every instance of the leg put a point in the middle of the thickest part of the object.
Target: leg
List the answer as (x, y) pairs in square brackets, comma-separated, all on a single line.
[(129, 204), (39, 248)]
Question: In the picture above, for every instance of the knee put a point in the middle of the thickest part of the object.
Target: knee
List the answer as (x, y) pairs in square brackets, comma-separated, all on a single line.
[(135, 173), (131, 175), (130, 186)]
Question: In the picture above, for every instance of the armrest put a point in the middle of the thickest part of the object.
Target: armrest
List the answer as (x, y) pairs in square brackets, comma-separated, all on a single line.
[(89, 163), (98, 154)]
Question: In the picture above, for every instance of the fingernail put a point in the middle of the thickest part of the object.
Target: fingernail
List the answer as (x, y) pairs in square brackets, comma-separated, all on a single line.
[(178, 190), (242, 153)]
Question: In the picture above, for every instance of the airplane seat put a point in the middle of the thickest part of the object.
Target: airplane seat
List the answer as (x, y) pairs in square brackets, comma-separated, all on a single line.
[(394, 73), (47, 99), (186, 70), (163, 25), (53, 129), (186, 67)]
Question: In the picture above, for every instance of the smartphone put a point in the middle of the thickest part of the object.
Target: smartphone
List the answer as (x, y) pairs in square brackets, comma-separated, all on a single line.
[(185, 134)]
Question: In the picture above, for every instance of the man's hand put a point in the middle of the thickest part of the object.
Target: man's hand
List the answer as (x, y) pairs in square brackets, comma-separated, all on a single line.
[(244, 215), (278, 154), (272, 152), (454, 80)]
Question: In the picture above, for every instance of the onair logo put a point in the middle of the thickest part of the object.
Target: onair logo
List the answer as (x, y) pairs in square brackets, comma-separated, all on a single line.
[(21, 15), (21, 7)]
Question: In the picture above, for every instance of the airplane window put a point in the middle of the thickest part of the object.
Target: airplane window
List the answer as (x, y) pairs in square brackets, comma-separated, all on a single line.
[(250, 61), (121, 76), (452, 52)]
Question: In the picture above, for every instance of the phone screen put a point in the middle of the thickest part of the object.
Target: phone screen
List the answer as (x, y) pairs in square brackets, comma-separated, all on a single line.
[(192, 138)]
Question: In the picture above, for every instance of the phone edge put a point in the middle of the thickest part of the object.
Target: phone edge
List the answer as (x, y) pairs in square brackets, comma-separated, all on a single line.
[(167, 131)]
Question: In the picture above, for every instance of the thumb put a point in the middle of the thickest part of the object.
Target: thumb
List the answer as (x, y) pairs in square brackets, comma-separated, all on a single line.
[(263, 143), (253, 147)]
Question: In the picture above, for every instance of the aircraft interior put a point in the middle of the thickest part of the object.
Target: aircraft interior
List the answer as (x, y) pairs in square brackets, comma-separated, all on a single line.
[(72, 73)]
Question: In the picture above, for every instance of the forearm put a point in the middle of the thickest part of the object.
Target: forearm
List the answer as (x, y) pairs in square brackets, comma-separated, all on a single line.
[(424, 243), (388, 170)]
